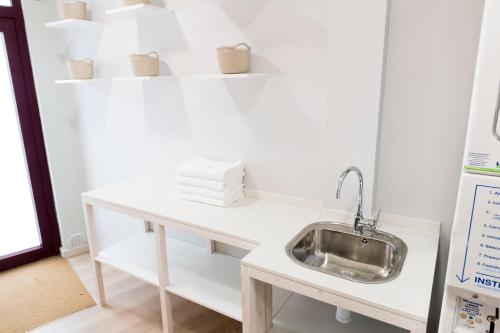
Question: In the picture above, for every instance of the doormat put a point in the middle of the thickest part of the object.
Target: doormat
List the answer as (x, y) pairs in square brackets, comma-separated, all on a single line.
[(36, 294)]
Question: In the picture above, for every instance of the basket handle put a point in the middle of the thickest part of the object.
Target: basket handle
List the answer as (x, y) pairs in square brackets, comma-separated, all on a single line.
[(155, 54), (87, 60), (242, 44)]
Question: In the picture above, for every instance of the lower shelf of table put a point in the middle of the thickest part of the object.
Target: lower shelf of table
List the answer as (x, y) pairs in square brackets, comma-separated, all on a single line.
[(305, 315), (208, 279)]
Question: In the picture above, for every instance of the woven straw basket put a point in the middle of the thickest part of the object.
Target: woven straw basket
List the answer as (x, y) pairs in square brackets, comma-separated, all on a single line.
[(235, 59), (73, 10), (81, 69), (135, 2), (145, 64)]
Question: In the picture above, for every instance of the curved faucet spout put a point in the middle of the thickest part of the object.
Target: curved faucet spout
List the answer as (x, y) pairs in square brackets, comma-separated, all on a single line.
[(359, 215)]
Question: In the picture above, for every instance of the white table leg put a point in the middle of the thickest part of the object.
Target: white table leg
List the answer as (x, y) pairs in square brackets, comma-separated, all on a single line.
[(88, 213), (257, 304), (163, 279), (268, 304)]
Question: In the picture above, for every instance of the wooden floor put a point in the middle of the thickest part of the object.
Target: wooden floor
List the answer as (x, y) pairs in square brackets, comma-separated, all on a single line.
[(134, 306)]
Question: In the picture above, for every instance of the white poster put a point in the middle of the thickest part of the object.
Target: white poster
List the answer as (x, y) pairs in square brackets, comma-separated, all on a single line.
[(475, 249)]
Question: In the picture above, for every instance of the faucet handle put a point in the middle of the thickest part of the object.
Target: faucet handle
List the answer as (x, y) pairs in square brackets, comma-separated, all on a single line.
[(372, 221)]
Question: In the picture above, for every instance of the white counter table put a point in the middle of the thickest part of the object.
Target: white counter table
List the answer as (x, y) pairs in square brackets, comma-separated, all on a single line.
[(263, 226)]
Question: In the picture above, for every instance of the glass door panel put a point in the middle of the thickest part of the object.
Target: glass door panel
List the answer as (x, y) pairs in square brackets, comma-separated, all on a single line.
[(18, 222)]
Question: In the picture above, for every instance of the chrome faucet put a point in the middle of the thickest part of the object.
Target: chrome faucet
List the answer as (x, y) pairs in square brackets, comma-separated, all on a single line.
[(359, 221)]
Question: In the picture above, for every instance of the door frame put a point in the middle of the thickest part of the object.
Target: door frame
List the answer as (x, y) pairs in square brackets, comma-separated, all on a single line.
[(13, 28)]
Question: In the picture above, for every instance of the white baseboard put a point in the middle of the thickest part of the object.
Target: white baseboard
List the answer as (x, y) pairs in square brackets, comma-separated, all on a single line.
[(68, 253)]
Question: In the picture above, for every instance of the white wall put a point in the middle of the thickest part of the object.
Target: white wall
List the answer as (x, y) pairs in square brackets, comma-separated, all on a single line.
[(275, 124), (354, 93), (249, 119), (47, 51), (432, 48)]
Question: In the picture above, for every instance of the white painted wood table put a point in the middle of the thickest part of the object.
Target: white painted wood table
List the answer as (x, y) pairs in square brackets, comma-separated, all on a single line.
[(263, 226)]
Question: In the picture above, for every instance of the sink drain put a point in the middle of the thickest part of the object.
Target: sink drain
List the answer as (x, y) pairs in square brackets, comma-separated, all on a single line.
[(348, 273)]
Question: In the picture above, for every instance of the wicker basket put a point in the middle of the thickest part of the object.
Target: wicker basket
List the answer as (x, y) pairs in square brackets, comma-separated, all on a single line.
[(135, 2), (145, 64), (73, 10), (81, 69), (235, 59)]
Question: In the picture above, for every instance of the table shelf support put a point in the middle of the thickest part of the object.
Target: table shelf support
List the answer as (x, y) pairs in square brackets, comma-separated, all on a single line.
[(88, 213), (163, 278), (257, 304)]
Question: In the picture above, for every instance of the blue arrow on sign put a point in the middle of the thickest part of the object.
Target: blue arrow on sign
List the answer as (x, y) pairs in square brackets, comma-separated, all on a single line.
[(462, 277)]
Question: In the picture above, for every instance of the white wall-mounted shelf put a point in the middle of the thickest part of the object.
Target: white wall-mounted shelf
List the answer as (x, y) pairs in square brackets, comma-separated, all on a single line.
[(80, 81), (208, 279), (118, 79), (145, 78), (232, 76), (140, 11), (74, 24), (166, 77)]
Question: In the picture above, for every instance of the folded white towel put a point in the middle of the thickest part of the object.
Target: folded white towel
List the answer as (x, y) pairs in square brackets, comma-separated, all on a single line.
[(209, 184), (211, 170), (210, 201), (228, 192)]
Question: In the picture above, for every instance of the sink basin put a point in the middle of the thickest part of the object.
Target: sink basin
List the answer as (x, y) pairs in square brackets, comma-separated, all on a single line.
[(332, 248)]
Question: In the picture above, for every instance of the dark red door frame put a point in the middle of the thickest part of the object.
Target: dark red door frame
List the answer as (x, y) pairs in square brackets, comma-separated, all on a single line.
[(13, 29)]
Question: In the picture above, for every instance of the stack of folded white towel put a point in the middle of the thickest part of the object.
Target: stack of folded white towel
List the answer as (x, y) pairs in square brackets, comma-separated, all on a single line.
[(213, 182)]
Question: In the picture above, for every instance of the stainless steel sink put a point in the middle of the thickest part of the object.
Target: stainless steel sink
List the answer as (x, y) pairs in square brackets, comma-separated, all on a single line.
[(333, 248)]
